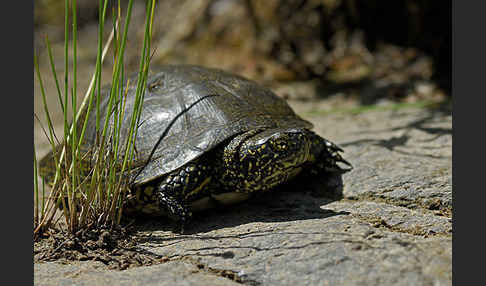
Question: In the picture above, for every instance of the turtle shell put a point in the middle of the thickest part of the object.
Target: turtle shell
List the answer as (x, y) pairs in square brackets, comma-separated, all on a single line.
[(238, 105)]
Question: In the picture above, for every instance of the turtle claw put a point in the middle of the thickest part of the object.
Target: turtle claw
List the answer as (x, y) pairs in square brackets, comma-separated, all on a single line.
[(338, 158), (332, 157), (183, 221), (349, 166)]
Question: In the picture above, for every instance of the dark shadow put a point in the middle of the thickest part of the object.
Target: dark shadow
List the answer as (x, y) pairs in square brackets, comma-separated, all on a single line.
[(300, 199), (327, 89), (393, 142), (389, 144), (369, 92)]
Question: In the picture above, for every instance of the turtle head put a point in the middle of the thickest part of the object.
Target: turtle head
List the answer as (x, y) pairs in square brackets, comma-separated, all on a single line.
[(272, 157)]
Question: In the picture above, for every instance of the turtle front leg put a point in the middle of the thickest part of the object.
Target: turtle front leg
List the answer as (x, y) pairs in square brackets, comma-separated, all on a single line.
[(182, 186), (173, 207)]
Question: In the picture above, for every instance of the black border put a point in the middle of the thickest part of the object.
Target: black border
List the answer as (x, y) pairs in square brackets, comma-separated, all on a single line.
[(468, 92), (17, 21)]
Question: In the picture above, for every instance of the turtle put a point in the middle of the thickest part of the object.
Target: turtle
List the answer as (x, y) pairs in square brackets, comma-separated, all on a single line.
[(207, 138)]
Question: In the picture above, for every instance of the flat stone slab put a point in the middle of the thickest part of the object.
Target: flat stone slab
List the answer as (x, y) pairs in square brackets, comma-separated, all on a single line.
[(390, 223), (403, 157)]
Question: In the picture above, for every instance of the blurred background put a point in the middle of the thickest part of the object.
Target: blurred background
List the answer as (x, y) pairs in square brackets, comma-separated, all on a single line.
[(350, 53)]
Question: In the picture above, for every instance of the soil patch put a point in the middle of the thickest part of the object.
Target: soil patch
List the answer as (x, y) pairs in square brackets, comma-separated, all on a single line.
[(116, 248)]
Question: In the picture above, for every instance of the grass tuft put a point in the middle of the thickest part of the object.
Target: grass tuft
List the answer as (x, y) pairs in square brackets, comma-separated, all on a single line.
[(89, 185)]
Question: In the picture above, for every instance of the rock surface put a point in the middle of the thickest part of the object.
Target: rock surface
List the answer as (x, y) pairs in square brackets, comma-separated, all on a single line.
[(390, 224)]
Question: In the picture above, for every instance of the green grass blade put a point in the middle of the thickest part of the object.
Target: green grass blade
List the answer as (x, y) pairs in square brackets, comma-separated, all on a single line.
[(74, 138), (53, 68), (66, 65)]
